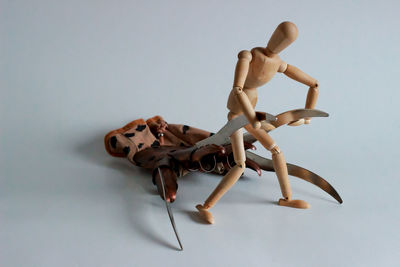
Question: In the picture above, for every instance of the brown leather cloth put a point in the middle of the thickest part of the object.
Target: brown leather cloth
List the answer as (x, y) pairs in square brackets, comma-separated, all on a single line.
[(169, 148), (140, 135)]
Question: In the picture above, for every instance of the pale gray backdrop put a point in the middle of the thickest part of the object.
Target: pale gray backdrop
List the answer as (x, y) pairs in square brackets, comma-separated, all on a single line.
[(73, 70)]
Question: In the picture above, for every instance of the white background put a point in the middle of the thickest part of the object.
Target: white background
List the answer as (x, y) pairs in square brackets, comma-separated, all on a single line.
[(73, 70)]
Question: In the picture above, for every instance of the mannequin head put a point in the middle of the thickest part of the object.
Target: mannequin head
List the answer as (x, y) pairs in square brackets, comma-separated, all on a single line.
[(283, 36)]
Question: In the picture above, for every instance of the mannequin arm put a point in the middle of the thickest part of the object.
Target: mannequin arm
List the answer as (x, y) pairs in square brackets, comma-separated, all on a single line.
[(312, 95)]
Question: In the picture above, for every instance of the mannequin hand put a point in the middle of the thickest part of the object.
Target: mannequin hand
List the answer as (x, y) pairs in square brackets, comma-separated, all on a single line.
[(267, 126), (256, 125), (297, 123)]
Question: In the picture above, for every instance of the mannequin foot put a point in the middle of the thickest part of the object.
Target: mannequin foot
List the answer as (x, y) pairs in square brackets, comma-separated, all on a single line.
[(205, 214), (294, 203)]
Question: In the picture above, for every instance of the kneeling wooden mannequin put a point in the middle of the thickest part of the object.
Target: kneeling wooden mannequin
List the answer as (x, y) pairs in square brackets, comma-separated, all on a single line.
[(253, 70)]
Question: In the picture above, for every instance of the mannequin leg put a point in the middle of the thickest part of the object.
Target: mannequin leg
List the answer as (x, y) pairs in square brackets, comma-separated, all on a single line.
[(280, 167), (229, 179)]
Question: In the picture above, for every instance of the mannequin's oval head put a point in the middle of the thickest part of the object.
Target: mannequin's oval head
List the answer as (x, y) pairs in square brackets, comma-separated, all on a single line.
[(283, 36)]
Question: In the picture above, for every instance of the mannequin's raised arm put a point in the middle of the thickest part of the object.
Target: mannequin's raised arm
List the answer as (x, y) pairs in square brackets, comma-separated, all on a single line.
[(302, 77)]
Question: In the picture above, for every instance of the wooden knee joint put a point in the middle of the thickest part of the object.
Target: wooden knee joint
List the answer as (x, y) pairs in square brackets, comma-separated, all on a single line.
[(241, 164), (274, 149)]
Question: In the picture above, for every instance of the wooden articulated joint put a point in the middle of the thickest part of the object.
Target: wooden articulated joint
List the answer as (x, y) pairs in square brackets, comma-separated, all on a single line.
[(238, 90), (274, 149), (246, 106)]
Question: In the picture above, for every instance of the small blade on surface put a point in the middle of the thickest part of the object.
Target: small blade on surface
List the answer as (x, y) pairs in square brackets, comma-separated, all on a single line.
[(171, 216)]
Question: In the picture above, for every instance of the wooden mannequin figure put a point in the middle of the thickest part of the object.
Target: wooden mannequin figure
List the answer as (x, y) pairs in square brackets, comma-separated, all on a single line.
[(253, 70)]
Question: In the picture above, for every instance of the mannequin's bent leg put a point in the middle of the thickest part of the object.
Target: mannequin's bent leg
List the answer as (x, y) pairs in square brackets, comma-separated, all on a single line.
[(229, 179), (280, 168)]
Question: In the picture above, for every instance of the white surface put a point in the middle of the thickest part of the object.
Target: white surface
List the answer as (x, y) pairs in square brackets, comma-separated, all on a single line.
[(73, 70)]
